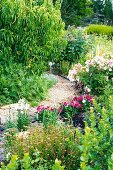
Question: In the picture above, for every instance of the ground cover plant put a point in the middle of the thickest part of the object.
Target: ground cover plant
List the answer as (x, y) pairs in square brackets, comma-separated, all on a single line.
[(28, 164)]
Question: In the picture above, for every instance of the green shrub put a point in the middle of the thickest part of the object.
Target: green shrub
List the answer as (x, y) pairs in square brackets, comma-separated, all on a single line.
[(30, 32), (97, 142), (52, 142), (77, 45), (16, 83), (37, 163), (100, 30)]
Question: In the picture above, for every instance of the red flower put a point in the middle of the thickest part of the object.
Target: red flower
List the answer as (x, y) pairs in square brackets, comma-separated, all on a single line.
[(40, 108), (76, 104), (60, 109), (89, 98), (65, 104), (80, 98)]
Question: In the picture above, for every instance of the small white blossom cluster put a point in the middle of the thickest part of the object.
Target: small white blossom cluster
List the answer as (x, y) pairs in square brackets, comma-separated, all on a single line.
[(100, 62), (22, 105), (77, 68)]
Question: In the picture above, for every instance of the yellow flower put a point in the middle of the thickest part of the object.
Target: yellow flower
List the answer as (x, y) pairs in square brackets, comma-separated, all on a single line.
[(87, 130)]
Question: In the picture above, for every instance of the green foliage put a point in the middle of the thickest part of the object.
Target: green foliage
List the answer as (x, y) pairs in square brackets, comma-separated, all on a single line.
[(36, 33), (77, 46), (74, 11), (23, 120), (30, 164), (52, 142), (103, 11), (100, 30), (31, 34), (95, 80), (16, 83), (96, 144), (65, 67), (57, 165), (48, 117)]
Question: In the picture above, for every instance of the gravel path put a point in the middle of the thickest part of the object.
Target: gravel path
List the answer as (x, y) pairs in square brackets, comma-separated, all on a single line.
[(62, 91)]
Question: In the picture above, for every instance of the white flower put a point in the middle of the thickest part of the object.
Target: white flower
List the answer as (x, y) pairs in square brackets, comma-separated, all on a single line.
[(87, 89), (50, 64), (87, 69), (22, 105), (110, 69), (106, 78), (83, 101), (8, 155)]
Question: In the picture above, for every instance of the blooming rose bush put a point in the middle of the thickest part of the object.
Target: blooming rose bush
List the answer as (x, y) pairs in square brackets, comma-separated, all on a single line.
[(95, 75), (74, 110)]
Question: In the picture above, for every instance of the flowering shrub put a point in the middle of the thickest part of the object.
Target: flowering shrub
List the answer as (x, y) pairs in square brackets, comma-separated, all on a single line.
[(96, 74), (74, 109)]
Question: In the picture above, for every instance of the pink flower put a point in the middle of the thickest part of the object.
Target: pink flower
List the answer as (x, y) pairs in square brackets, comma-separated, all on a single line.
[(40, 108), (76, 104), (89, 98), (60, 109), (65, 104), (111, 63), (75, 98), (80, 98)]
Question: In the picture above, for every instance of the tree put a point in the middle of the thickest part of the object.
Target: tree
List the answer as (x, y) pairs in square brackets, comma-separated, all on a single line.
[(108, 11), (74, 11)]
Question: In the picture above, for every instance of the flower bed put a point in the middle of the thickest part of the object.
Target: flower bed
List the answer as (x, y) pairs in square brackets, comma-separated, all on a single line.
[(95, 75)]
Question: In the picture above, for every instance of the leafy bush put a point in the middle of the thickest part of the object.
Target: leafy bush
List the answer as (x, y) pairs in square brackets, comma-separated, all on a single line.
[(31, 35), (30, 164), (97, 142), (100, 30), (52, 142), (36, 34), (77, 45)]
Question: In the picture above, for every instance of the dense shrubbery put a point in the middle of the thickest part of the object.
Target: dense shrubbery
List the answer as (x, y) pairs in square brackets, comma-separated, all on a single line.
[(37, 163), (78, 45), (52, 142), (30, 36), (30, 32), (96, 144), (16, 83), (100, 30)]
